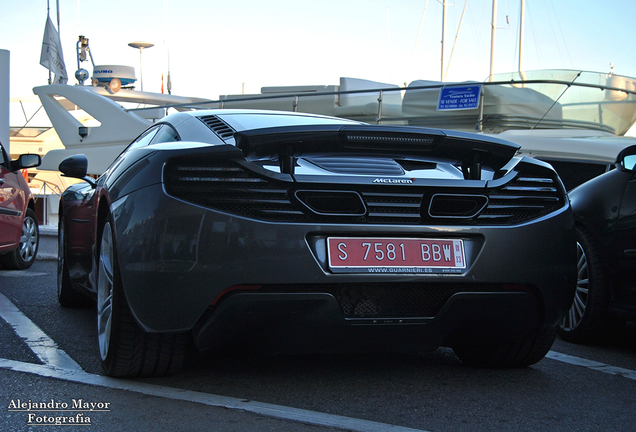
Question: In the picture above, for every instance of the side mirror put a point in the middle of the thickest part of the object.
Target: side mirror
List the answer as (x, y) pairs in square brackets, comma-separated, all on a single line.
[(76, 166), (26, 161), (626, 159)]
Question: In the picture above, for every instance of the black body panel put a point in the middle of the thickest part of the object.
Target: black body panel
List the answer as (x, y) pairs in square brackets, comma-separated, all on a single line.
[(606, 207)]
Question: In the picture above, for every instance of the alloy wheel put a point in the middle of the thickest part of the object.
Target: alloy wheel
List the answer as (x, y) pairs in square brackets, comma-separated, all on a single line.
[(60, 258), (29, 239), (105, 291), (577, 311)]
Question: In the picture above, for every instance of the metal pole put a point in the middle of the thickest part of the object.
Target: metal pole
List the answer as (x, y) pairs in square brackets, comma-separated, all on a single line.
[(461, 20), (443, 34), (480, 121), (5, 91), (59, 80), (141, 46), (48, 15), (493, 36), (141, 70), (418, 37), (521, 34)]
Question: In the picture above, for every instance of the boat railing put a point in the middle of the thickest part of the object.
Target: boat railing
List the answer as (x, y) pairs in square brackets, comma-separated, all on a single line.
[(381, 107)]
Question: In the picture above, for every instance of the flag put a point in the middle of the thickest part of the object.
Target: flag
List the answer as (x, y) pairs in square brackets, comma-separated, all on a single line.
[(52, 57)]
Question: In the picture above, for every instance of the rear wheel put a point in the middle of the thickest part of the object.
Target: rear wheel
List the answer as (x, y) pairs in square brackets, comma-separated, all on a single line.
[(24, 256), (587, 319), (524, 351), (125, 349)]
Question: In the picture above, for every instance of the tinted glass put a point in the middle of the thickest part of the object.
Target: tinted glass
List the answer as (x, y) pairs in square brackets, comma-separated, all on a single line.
[(145, 138), (165, 134)]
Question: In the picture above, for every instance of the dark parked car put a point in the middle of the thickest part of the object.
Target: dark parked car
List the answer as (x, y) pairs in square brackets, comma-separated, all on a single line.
[(297, 233), (19, 233), (605, 213)]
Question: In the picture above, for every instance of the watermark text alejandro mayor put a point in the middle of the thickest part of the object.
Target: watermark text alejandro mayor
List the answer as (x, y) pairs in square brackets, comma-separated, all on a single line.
[(52, 412)]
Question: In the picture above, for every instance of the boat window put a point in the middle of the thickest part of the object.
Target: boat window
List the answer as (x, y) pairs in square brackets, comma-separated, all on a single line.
[(257, 121)]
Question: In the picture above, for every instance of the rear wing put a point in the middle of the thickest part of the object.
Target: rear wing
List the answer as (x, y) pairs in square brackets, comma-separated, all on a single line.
[(288, 142)]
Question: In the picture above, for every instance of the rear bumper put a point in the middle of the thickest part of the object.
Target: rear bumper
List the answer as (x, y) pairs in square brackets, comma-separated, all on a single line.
[(314, 322)]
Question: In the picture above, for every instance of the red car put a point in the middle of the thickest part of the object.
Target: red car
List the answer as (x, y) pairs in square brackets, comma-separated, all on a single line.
[(19, 234)]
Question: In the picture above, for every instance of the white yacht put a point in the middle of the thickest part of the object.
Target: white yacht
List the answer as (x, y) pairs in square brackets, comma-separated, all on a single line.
[(573, 119)]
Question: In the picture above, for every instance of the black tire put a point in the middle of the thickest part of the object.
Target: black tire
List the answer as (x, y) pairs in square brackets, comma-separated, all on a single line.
[(24, 255), (587, 320), (125, 349), (524, 351), (67, 296)]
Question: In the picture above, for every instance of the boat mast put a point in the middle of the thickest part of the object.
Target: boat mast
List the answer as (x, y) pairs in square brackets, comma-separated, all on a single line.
[(493, 36), (443, 34), (461, 20), (521, 33)]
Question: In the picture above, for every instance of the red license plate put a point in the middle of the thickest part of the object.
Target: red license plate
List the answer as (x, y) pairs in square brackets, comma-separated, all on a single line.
[(395, 255)]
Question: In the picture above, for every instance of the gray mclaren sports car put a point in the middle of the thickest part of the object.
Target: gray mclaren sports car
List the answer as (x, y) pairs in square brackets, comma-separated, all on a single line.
[(292, 232)]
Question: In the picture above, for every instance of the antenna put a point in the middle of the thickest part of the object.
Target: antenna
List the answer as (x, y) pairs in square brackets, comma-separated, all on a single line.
[(166, 29), (141, 46)]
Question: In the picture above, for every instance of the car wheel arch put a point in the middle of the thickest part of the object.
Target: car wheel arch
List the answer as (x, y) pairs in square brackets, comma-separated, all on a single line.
[(102, 216), (589, 323), (103, 210), (126, 349)]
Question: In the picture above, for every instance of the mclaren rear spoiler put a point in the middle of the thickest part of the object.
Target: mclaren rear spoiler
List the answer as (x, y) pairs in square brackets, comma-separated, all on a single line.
[(288, 142)]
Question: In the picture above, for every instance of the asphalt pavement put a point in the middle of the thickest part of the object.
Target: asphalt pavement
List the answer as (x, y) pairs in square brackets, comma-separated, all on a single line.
[(49, 357)]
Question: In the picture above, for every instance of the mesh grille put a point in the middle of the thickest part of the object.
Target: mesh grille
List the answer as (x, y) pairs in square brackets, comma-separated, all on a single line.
[(399, 207), (522, 199), (229, 187), (387, 301)]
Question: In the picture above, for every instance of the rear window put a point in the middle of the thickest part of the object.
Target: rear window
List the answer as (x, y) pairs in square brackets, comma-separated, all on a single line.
[(165, 134)]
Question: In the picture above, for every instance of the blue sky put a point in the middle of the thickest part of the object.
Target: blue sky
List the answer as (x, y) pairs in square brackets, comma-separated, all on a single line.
[(223, 47)]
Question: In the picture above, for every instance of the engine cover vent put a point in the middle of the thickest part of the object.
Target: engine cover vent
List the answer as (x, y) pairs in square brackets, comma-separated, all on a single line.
[(218, 126), (357, 165)]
